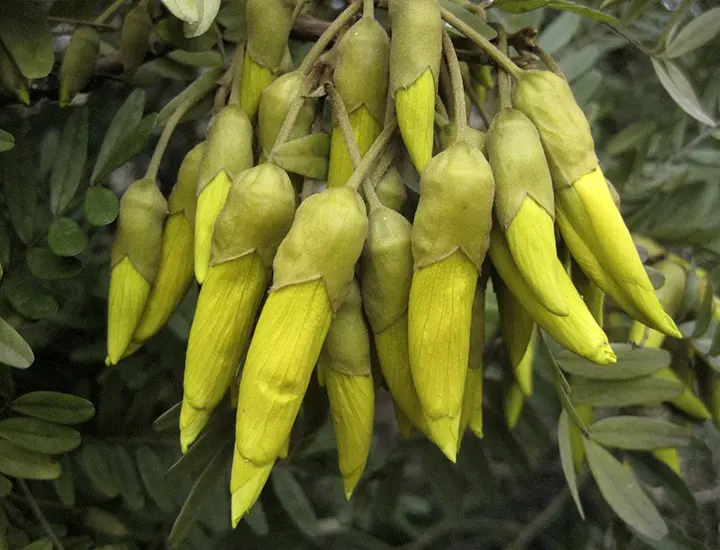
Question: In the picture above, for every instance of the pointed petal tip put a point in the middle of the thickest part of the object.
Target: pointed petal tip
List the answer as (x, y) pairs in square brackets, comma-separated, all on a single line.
[(606, 355), (444, 432), (246, 484), (192, 422), (350, 482)]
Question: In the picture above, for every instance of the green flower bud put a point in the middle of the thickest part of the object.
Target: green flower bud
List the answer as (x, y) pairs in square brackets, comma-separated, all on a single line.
[(473, 136), (11, 79), (78, 63), (391, 190), (134, 37)]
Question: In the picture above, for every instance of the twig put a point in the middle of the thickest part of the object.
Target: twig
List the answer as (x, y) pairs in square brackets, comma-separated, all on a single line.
[(343, 121), (39, 514), (82, 23), (110, 11), (536, 526)]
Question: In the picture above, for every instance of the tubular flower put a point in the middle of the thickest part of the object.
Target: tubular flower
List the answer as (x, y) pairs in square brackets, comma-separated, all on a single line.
[(415, 52), (345, 360), (386, 275), (176, 263), (268, 24), (11, 79), (313, 269), (79, 63), (361, 79), (228, 152), (524, 204), (391, 190), (578, 331), (449, 241), (135, 259), (256, 217), (581, 192)]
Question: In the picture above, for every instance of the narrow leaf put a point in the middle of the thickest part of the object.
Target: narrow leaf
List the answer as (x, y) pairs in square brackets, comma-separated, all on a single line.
[(46, 265), (7, 141), (582, 10), (632, 362), (126, 476), (20, 187), (65, 484), (39, 435), (566, 460), (560, 32), (69, 161), (14, 350), (95, 463), (18, 462), (637, 433), (307, 156), (624, 393), (199, 84), (152, 473), (629, 138), (257, 520), (28, 296), (5, 486), (680, 89), (293, 499), (470, 19), (62, 408), (698, 32)]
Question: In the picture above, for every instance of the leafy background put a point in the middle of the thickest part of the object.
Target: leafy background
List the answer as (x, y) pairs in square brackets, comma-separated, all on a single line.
[(89, 455)]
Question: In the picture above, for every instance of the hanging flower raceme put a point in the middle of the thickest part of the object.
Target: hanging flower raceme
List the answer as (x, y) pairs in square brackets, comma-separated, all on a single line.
[(313, 269), (228, 152), (78, 64), (361, 80), (449, 242), (135, 259), (256, 217), (415, 52)]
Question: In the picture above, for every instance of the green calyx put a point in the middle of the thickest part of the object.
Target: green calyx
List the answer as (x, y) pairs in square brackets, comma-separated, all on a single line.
[(183, 196), (361, 69), (387, 268), (324, 242), (519, 165), (391, 190), (347, 344), (268, 30), (140, 224), (473, 136), (134, 37), (547, 100), (416, 43), (455, 209), (78, 63), (256, 217), (229, 146)]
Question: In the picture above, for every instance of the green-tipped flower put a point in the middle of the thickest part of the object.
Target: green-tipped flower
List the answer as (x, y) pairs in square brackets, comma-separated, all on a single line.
[(248, 231), (361, 79), (78, 63), (268, 23), (176, 262), (11, 79), (450, 239), (578, 331), (228, 152), (135, 37), (313, 269), (415, 52), (345, 359), (274, 105), (524, 204), (135, 259), (391, 190)]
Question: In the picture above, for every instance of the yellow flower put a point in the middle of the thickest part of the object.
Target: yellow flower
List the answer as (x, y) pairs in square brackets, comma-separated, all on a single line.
[(255, 78), (366, 129), (246, 483), (514, 405), (415, 106), (209, 204)]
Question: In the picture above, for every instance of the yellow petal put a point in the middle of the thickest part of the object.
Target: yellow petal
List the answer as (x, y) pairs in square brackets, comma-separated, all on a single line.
[(210, 202), (514, 405), (524, 370), (687, 402), (173, 278), (246, 483), (669, 457), (403, 422), (365, 129), (219, 336), (439, 320), (444, 431), (415, 108), (192, 422), (129, 292), (352, 404), (472, 400), (284, 349), (255, 78), (285, 451), (531, 238)]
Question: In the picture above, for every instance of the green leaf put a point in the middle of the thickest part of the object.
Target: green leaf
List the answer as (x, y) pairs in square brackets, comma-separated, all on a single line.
[(7, 141), (307, 156), (65, 484), (124, 123), (675, 540), (578, 62), (257, 520), (152, 473), (621, 491), (66, 238), (631, 137), (18, 462), (28, 297), (632, 362), (560, 32), (46, 265), (69, 161), (624, 393), (126, 476), (170, 30), (210, 58), (39, 435), (40, 544), (61, 408), (94, 461), (214, 436), (191, 90), (637, 433), (5, 244), (5, 486), (634, 10), (101, 206), (566, 460), (26, 35), (698, 32), (520, 6), (20, 187), (185, 10), (293, 499), (168, 420), (658, 474), (233, 17), (579, 9), (681, 90), (470, 19), (14, 350), (208, 11)]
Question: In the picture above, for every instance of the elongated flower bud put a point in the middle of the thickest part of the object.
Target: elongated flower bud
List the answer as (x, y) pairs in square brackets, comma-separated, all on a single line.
[(415, 52), (312, 271), (578, 331), (11, 79), (450, 240), (361, 79), (524, 203), (228, 152), (274, 105), (345, 358), (134, 37), (268, 23), (256, 217), (78, 63), (176, 262), (391, 190), (135, 259)]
